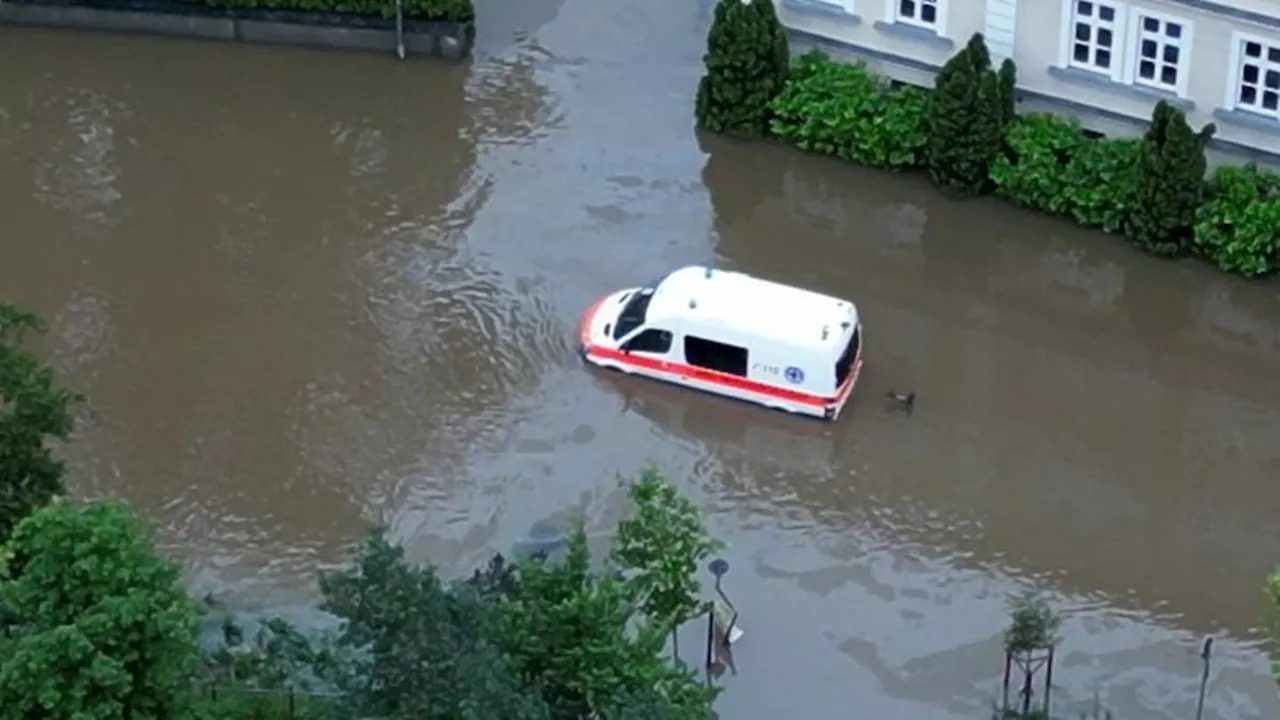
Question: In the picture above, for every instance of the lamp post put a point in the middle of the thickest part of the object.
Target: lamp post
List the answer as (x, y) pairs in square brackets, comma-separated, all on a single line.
[(1204, 675), (400, 29), (722, 609)]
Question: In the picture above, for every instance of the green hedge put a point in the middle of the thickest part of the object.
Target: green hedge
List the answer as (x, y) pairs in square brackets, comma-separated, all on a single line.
[(846, 110), (461, 11), (1238, 225), (1050, 164)]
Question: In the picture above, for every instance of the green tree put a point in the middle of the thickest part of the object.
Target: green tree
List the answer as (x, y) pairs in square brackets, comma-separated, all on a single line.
[(662, 544), (1169, 181), (1007, 83), (96, 626), (1032, 625), (966, 119), (412, 647), (33, 412), (746, 62), (567, 628), (538, 640)]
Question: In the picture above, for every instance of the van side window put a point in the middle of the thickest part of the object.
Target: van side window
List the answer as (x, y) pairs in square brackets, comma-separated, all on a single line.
[(652, 340), (714, 355)]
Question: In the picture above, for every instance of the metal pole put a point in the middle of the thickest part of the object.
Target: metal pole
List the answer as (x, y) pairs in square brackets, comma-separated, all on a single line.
[(711, 639), (400, 29), (1048, 682), (1008, 670), (1204, 676)]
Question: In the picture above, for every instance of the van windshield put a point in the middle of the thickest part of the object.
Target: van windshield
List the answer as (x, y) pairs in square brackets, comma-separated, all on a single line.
[(633, 313)]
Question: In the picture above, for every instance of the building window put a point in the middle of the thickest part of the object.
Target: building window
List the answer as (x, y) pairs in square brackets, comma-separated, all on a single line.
[(1257, 84), (1160, 51), (1133, 46), (1094, 26), (925, 13)]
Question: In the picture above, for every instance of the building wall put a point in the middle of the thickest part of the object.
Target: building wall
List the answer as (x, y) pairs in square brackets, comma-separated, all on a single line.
[(1084, 59)]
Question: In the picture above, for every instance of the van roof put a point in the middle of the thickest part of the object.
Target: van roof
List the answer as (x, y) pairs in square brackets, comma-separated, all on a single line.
[(741, 304)]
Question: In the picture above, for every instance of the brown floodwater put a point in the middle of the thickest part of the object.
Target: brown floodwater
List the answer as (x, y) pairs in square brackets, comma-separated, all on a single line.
[(308, 291)]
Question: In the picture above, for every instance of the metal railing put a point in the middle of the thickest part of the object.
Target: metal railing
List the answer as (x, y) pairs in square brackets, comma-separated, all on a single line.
[(273, 704)]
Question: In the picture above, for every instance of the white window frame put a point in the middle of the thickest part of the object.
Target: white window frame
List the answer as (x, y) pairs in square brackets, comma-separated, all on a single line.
[(1235, 75), (892, 13), (844, 5), (1126, 33), (1133, 40), (1119, 33)]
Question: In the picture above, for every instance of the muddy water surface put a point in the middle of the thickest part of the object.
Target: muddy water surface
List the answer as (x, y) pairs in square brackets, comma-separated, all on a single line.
[(309, 291)]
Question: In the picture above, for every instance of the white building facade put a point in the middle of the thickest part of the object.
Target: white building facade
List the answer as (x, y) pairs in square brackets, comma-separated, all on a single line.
[(1106, 62)]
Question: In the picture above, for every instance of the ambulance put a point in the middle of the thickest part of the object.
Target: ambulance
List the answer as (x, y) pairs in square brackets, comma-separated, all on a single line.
[(731, 334)]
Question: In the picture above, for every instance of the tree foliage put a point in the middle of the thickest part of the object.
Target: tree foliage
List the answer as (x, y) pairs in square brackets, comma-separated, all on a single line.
[(1007, 84), (847, 110), (34, 411), (413, 647), (1032, 625), (531, 640), (1169, 181), (1238, 226), (528, 641), (95, 624), (746, 61), (971, 104), (662, 543)]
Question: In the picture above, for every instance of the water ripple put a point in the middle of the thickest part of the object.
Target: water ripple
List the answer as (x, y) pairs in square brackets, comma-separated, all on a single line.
[(78, 175)]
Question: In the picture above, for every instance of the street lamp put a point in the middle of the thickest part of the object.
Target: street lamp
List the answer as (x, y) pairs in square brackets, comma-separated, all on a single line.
[(400, 29), (723, 611)]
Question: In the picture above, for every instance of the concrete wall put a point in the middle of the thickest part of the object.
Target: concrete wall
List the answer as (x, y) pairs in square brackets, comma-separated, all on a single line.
[(1035, 34), (447, 40)]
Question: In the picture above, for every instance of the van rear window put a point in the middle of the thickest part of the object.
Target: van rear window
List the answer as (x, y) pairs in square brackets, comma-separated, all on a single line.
[(845, 364), (717, 356)]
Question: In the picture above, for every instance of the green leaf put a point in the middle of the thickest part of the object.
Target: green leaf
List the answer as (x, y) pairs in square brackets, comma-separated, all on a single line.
[(96, 625), (1238, 226), (35, 413)]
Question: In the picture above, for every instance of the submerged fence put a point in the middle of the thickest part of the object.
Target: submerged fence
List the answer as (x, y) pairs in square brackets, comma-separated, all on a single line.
[(252, 703)]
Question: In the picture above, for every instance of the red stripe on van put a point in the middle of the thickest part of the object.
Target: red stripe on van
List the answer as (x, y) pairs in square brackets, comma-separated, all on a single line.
[(725, 379)]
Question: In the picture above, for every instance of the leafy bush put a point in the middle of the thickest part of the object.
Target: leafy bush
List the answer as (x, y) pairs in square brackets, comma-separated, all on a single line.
[(1100, 182), (1033, 171), (34, 413), (450, 10), (1169, 184), (846, 110), (1238, 227), (966, 119), (747, 60), (1052, 166), (93, 623)]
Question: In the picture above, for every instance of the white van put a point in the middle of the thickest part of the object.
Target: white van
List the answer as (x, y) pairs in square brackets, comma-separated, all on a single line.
[(731, 334)]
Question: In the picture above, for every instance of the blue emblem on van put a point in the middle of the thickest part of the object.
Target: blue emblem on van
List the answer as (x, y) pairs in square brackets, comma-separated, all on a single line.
[(794, 375)]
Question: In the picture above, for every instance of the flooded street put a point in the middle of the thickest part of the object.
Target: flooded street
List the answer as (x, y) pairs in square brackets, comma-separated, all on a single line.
[(309, 291)]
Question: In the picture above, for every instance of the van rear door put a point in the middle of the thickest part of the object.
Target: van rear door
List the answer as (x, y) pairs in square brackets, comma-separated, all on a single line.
[(844, 365)]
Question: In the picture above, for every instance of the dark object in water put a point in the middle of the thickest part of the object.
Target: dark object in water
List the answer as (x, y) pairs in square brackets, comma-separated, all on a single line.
[(907, 400)]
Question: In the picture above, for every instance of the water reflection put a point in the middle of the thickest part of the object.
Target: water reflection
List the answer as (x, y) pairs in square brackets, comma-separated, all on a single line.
[(1044, 429)]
